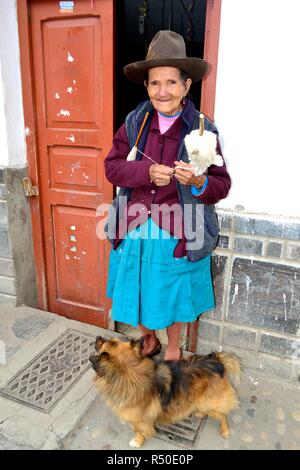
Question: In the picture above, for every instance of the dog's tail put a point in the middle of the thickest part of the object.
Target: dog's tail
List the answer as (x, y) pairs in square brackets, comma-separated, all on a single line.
[(231, 363)]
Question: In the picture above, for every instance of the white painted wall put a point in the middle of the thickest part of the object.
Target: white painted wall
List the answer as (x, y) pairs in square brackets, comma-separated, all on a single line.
[(12, 133), (3, 130), (257, 104)]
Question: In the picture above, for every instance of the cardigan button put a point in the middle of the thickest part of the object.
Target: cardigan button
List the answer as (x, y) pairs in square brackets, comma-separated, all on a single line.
[(149, 212), (152, 191)]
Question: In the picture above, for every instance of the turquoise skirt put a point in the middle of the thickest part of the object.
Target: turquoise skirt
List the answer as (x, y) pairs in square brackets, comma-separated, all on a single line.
[(149, 286)]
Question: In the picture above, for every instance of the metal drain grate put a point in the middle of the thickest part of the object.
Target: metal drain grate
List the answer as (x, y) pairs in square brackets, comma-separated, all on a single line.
[(183, 433), (48, 377)]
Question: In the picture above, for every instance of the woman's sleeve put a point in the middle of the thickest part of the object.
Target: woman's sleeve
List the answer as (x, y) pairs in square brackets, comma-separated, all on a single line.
[(119, 171), (218, 182)]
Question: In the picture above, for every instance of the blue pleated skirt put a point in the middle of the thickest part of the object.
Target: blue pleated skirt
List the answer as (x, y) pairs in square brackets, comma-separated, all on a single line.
[(149, 286)]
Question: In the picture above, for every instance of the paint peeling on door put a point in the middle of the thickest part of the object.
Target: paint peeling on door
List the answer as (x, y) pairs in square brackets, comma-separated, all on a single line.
[(71, 138), (56, 96), (27, 132), (70, 58), (73, 238), (70, 90), (73, 227), (74, 249), (64, 112)]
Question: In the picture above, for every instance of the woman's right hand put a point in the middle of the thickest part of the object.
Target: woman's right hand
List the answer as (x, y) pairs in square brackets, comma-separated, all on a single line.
[(160, 174)]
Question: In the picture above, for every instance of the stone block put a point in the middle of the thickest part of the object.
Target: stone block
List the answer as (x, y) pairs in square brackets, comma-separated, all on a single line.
[(296, 372), (274, 249), (248, 245), (8, 299), (3, 213), (291, 232), (262, 227), (206, 347), (3, 191), (6, 267), (265, 295), (219, 269), (7, 285), (225, 221), (271, 365), (293, 252), (283, 347), (5, 249), (268, 228), (2, 175), (239, 337), (260, 362), (208, 330), (223, 241)]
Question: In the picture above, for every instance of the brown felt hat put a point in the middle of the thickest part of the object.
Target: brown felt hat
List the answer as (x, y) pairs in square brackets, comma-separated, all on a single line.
[(167, 49)]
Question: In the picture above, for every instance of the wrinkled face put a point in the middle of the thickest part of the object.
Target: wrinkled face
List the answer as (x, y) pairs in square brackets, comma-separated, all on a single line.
[(166, 89), (115, 350)]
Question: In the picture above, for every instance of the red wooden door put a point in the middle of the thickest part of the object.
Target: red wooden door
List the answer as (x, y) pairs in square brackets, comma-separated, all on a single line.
[(72, 50)]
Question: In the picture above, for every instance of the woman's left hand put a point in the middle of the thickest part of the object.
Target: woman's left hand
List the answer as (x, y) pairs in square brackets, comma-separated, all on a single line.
[(187, 176)]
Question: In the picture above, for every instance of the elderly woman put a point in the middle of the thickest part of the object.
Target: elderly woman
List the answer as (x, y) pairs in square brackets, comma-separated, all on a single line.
[(156, 278)]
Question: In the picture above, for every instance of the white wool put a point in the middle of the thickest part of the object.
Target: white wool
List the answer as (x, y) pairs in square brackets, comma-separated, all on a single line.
[(132, 154), (201, 150)]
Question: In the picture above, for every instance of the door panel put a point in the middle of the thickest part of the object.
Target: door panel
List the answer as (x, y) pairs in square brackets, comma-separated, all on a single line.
[(73, 81)]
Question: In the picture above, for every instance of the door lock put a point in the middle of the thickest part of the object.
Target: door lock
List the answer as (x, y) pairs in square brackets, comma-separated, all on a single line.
[(29, 189)]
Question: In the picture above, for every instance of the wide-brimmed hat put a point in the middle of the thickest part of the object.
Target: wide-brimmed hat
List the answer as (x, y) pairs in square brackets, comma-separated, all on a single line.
[(167, 49)]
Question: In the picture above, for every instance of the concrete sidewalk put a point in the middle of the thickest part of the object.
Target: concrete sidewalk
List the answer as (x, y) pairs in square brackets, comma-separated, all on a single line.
[(268, 418)]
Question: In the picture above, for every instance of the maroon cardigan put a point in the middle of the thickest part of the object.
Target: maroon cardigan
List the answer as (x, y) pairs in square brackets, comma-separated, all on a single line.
[(162, 148)]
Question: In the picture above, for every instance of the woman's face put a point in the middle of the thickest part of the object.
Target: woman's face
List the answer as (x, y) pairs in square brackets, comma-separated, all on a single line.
[(166, 89)]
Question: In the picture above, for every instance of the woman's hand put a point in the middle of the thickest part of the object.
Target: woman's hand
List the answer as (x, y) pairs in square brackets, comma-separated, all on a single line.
[(160, 174), (187, 176)]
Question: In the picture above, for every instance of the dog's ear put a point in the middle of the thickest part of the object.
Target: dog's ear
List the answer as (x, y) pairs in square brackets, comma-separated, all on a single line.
[(136, 345)]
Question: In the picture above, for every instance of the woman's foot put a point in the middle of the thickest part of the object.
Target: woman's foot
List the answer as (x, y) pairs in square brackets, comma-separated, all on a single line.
[(173, 354), (151, 345)]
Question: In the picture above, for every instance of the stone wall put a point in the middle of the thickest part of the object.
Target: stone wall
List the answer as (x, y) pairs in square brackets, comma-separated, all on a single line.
[(257, 288), (17, 271)]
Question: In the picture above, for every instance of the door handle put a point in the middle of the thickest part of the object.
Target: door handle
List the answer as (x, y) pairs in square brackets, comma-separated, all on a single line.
[(29, 189)]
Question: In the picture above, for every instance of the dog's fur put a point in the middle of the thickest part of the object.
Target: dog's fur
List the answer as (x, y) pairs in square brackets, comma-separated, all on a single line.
[(144, 392)]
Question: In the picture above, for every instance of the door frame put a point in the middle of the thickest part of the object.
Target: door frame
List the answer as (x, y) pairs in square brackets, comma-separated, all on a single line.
[(208, 92), (23, 15)]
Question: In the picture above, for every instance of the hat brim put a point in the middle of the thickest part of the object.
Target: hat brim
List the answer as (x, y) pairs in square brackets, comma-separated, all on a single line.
[(196, 68)]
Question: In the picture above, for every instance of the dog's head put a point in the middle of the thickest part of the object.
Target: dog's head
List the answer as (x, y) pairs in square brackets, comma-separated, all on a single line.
[(116, 351)]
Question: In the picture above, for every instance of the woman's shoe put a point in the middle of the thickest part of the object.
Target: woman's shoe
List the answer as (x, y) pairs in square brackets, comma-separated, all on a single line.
[(175, 360), (155, 350)]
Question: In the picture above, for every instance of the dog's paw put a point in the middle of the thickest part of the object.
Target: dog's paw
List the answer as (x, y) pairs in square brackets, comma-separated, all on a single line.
[(134, 443), (224, 432)]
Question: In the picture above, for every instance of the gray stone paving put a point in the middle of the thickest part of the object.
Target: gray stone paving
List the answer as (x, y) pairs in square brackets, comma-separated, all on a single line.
[(268, 418)]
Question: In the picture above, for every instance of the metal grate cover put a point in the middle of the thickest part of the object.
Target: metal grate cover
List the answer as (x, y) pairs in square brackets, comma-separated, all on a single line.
[(183, 433), (49, 376)]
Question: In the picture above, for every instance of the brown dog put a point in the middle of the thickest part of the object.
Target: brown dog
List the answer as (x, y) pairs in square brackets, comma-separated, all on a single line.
[(144, 392)]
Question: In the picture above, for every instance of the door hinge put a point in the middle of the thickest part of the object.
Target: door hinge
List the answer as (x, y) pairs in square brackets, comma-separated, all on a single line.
[(29, 189)]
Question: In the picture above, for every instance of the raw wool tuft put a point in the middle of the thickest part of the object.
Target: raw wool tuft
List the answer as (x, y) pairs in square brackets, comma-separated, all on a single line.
[(132, 154), (201, 150)]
